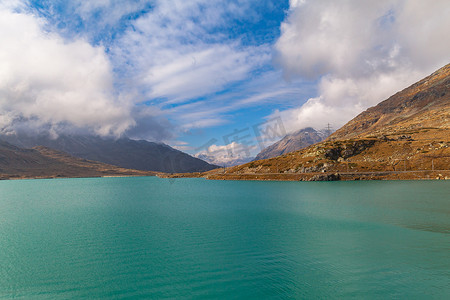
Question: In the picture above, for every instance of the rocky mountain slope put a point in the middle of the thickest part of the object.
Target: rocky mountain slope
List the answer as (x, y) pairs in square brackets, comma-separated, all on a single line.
[(43, 162), (404, 137), (292, 142), (124, 152), (422, 109)]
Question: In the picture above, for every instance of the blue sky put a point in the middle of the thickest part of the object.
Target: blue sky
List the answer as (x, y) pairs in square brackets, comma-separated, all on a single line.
[(247, 29), (189, 73)]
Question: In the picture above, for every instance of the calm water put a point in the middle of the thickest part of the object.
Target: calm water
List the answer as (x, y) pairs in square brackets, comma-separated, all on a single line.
[(192, 238)]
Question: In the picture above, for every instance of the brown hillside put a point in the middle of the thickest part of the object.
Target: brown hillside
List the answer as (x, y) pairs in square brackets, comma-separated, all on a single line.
[(422, 109)]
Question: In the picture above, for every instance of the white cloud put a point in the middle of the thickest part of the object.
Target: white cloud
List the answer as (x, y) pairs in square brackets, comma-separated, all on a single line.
[(48, 81), (176, 52), (106, 12), (360, 51), (229, 155), (199, 71), (295, 3), (11, 5), (268, 89)]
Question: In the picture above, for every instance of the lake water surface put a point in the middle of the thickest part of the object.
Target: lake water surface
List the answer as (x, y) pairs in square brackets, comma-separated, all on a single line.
[(192, 238)]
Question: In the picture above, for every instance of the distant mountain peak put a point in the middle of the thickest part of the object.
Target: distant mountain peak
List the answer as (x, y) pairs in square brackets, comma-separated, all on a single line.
[(292, 142)]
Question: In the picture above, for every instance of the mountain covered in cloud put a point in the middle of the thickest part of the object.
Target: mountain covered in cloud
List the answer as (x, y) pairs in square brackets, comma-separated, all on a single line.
[(226, 156), (224, 161), (292, 142), (123, 152)]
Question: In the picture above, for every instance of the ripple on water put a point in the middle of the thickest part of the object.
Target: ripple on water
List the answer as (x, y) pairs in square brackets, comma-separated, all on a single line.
[(134, 237)]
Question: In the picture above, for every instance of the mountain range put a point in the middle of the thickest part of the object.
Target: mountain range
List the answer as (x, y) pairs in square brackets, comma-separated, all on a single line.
[(123, 152), (42, 162), (407, 136)]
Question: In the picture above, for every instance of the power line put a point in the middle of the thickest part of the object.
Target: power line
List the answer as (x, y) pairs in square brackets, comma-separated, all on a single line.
[(328, 129)]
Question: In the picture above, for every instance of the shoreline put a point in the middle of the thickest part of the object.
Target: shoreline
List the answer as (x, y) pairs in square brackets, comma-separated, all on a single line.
[(69, 177), (317, 176), (320, 176)]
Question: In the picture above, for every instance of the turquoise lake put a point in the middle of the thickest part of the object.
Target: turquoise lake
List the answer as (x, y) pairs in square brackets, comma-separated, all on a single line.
[(146, 237)]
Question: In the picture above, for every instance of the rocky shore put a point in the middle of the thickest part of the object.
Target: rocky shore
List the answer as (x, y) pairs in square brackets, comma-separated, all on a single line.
[(388, 175)]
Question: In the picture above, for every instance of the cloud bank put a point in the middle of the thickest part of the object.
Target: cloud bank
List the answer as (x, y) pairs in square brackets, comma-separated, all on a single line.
[(48, 82), (123, 67), (361, 52)]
